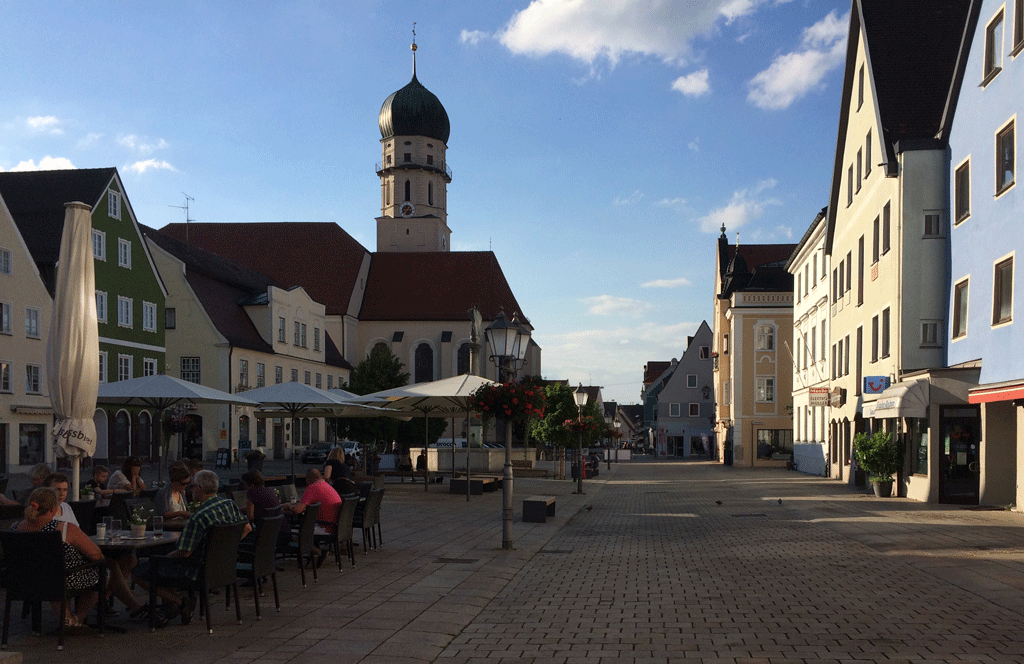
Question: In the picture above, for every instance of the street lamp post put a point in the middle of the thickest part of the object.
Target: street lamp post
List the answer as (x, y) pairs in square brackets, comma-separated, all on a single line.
[(508, 342), (580, 395)]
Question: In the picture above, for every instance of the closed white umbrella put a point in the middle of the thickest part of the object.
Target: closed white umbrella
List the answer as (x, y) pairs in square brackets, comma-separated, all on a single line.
[(73, 349)]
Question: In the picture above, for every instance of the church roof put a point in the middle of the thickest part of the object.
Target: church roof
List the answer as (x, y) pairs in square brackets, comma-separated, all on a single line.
[(436, 286), (414, 111), (319, 256)]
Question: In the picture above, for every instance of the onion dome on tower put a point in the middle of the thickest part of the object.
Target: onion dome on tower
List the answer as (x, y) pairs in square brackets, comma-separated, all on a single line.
[(414, 111)]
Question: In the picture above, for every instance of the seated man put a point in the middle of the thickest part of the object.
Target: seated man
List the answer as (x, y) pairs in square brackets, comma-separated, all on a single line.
[(213, 510), (98, 483), (318, 491)]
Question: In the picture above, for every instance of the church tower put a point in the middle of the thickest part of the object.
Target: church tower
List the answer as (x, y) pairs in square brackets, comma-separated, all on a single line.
[(413, 170)]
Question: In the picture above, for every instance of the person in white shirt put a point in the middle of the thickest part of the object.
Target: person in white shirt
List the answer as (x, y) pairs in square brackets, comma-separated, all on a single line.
[(59, 483)]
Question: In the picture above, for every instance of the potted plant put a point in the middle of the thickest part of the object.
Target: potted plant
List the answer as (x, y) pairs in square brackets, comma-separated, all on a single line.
[(85, 493), (140, 515), (881, 457)]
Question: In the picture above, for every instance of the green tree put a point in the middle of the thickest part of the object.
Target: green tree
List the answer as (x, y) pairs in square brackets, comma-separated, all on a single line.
[(561, 406), (382, 370)]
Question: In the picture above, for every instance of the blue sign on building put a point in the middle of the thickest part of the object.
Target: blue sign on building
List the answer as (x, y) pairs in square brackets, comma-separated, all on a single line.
[(875, 384)]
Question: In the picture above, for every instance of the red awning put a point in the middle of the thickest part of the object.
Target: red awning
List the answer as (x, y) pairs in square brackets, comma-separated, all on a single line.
[(999, 393)]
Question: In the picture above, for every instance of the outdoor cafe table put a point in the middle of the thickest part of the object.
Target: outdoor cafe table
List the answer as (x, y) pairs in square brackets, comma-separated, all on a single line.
[(128, 543)]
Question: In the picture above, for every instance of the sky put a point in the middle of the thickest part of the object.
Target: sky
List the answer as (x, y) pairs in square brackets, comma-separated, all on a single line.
[(597, 146)]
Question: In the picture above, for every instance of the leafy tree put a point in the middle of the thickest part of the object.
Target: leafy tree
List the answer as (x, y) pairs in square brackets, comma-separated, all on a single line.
[(561, 406), (382, 370), (411, 433)]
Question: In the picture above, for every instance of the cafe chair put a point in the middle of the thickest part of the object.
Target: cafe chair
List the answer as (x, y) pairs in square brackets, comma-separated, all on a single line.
[(32, 571), (301, 548), (85, 512), (216, 569), (367, 518), (260, 562), (343, 532)]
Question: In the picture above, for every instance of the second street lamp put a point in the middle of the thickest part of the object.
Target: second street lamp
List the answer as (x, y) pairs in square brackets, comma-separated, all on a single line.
[(580, 395), (508, 342)]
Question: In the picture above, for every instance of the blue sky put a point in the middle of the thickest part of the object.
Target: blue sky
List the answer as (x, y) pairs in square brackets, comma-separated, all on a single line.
[(597, 145)]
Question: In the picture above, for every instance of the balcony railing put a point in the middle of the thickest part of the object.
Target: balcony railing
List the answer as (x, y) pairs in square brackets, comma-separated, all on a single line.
[(440, 168)]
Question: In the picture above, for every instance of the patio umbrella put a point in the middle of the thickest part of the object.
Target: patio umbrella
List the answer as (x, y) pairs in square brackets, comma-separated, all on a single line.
[(295, 399), (72, 349), (162, 392), (447, 396)]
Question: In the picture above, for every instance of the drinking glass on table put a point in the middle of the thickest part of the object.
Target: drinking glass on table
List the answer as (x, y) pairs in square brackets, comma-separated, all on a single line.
[(158, 526), (115, 529)]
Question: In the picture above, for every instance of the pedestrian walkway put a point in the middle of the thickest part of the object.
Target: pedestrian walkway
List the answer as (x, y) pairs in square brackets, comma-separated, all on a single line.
[(658, 562)]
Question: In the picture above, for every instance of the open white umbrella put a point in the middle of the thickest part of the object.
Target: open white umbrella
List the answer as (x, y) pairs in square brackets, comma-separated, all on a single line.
[(447, 396), (298, 399), (72, 349), (162, 392)]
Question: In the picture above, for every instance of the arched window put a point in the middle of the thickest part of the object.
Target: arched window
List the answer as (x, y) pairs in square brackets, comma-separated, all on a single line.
[(122, 435), (765, 337), (430, 193), (387, 193), (408, 190), (243, 428), (424, 363), (379, 347), (144, 448), (305, 431), (463, 361), (316, 431)]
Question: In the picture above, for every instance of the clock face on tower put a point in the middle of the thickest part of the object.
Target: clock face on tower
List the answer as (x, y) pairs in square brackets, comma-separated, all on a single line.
[(407, 209)]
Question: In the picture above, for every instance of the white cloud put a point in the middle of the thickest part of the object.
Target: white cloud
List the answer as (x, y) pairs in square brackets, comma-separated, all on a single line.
[(632, 199), (141, 144), (693, 85), (473, 37), (611, 29), (44, 123), (786, 231), (677, 204), (609, 305), (792, 75), (745, 206), (667, 283), (47, 163), (89, 140), (150, 164), (694, 145)]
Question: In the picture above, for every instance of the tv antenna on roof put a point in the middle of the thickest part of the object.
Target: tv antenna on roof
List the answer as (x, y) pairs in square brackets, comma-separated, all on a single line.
[(185, 208)]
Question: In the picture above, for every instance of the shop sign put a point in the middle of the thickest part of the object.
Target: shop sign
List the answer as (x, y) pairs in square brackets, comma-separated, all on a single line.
[(817, 397), (875, 384), (837, 397)]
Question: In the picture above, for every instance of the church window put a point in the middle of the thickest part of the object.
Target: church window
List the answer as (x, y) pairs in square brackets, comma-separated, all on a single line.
[(463, 367), (430, 159), (408, 156), (430, 193), (408, 190), (389, 160), (387, 193), (424, 363)]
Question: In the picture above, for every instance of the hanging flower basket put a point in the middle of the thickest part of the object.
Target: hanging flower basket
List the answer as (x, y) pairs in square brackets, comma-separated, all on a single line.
[(515, 400)]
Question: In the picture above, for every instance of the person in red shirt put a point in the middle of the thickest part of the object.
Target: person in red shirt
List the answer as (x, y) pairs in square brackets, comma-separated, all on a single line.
[(319, 491)]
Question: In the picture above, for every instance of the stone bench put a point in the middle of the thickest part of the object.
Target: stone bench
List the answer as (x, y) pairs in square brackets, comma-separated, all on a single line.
[(537, 509), (477, 485)]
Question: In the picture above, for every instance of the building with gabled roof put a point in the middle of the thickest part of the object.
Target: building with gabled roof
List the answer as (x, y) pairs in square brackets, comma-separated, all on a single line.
[(129, 292)]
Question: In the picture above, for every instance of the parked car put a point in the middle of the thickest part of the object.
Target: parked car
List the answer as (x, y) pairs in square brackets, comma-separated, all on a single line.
[(316, 453)]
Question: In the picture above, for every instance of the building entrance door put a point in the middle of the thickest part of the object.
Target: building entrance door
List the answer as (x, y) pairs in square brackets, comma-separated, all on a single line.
[(959, 454)]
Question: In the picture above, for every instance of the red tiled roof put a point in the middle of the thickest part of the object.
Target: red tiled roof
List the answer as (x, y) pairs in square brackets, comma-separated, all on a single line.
[(436, 286), (319, 256), (654, 369)]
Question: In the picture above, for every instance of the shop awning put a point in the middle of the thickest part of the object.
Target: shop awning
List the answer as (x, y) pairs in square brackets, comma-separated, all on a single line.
[(32, 410), (908, 399), (999, 392)]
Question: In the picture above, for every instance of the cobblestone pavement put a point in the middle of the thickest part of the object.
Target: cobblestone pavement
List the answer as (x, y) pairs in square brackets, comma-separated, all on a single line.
[(646, 567)]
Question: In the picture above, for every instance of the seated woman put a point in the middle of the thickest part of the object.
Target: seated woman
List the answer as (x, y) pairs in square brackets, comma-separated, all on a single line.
[(59, 483), (41, 516), (129, 478), (258, 499), (405, 465), (172, 500), (338, 473)]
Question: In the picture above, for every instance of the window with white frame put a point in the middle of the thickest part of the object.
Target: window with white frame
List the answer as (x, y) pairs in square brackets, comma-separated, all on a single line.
[(318, 383), (33, 379), (691, 380), (295, 375), (103, 366), (704, 353), (725, 344), (281, 330), (99, 245), (302, 335), (330, 381), (694, 410), (930, 333), (170, 318), (1005, 158), (960, 292), (867, 155), (32, 322), (1018, 26), (295, 342), (5, 376), (101, 306), (243, 372), (765, 389), (149, 316), (5, 317), (278, 375), (6, 262), (113, 205), (261, 374), (124, 311), (885, 332), (124, 253), (124, 366), (1002, 291), (962, 191), (765, 337), (190, 369), (674, 410), (993, 62), (148, 366), (306, 377), (316, 339), (886, 216), (874, 338)]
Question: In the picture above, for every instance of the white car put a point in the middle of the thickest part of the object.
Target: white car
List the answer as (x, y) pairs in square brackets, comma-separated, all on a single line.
[(350, 447)]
